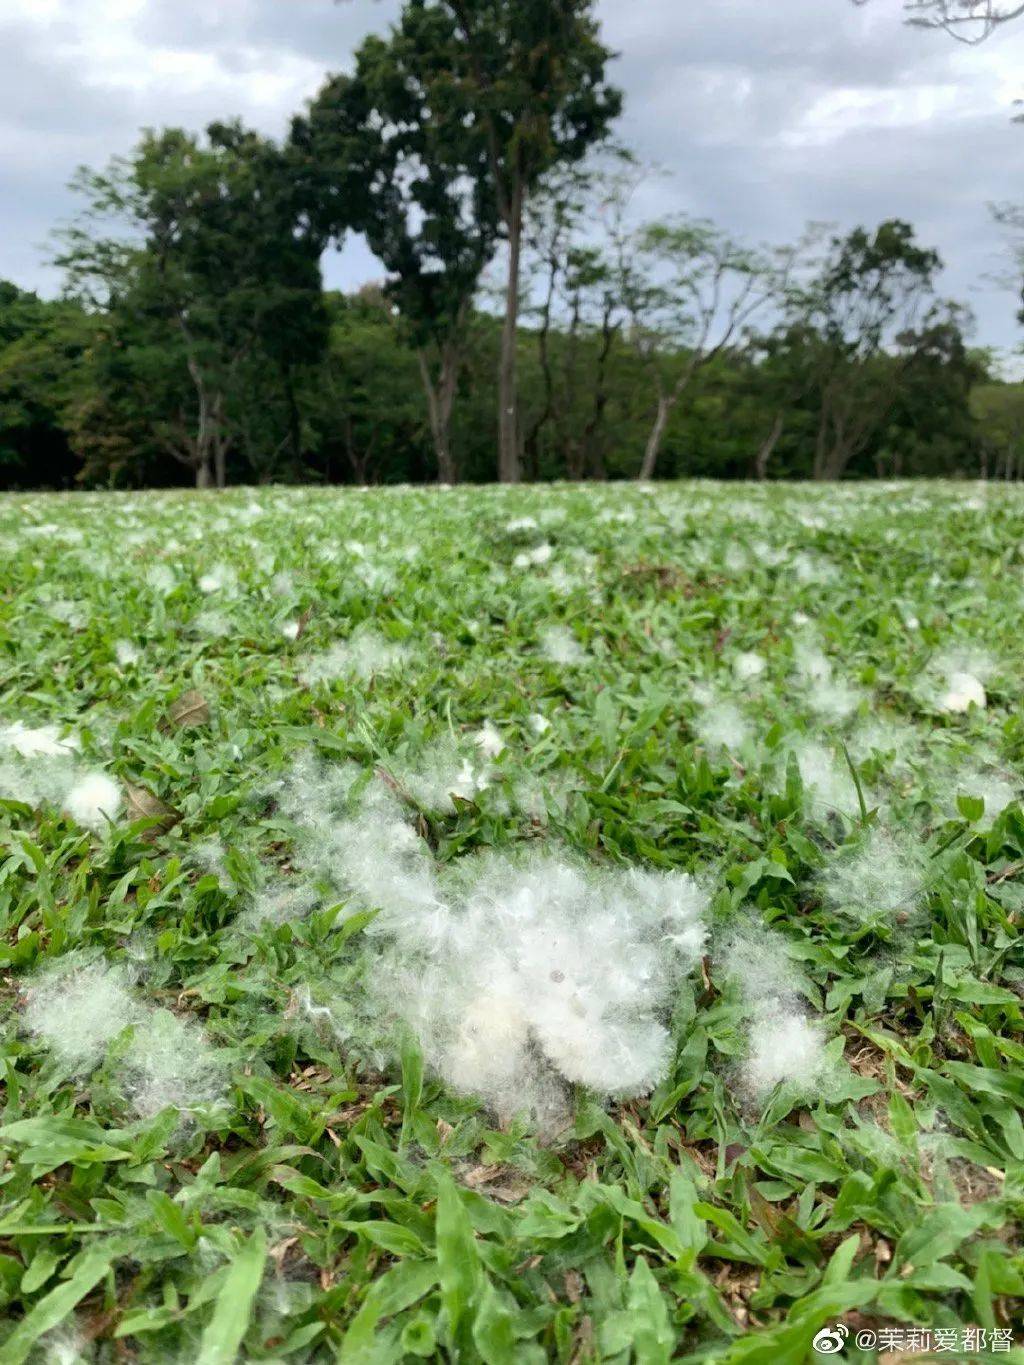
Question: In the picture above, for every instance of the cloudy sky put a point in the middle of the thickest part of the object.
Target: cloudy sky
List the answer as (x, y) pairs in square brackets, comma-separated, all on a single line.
[(765, 113)]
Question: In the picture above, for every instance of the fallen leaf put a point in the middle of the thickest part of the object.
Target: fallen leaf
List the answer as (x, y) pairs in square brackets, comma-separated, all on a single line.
[(190, 709)]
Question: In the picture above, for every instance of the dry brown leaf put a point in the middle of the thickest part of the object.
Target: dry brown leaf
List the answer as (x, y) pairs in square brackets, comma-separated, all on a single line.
[(190, 709), (143, 805)]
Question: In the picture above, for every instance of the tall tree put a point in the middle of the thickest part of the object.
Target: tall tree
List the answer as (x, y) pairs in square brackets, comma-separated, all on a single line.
[(690, 289), (575, 303), (378, 155), (863, 304), (41, 348), (198, 250), (999, 412), (524, 80)]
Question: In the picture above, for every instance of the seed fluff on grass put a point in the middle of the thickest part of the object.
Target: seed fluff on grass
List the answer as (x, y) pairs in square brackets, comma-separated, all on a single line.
[(519, 975), (364, 654), (46, 741), (93, 801), (882, 875), (784, 1043), (77, 1009)]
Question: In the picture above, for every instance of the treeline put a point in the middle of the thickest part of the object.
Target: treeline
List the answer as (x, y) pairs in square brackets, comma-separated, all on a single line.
[(524, 325)]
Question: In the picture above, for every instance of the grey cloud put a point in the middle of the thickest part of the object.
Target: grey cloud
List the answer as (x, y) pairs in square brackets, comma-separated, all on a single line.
[(716, 93)]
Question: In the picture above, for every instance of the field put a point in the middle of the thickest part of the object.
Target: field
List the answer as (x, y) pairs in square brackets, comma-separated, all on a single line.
[(509, 925)]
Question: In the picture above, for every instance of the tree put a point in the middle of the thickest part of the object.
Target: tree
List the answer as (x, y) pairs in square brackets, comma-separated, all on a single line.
[(208, 266), (689, 290), (929, 427), (999, 412), (578, 309), (41, 347), (869, 292), (378, 155), (525, 81), (366, 406)]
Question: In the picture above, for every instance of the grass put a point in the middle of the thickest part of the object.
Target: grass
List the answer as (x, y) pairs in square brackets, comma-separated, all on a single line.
[(222, 1171)]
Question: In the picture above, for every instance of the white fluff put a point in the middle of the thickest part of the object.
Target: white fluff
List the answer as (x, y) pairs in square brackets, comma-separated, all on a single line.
[(783, 1043), (995, 790), (94, 800), (363, 655), (963, 691), (827, 783), (560, 646), (519, 976), (45, 741), (748, 664), (442, 772), (722, 726), (78, 1009), (170, 1064), (219, 578), (126, 653), (882, 876), (784, 1046), (489, 741)]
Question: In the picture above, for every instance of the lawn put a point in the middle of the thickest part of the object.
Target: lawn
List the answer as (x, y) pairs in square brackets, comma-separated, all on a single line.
[(508, 925)]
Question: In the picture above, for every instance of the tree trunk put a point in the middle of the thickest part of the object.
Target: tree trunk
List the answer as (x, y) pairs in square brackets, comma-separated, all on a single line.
[(834, 463), (767, 447), (654, 440), (593, 442), (220, 466), (204, 475), (509, 470), (220, 454), (820, 449), (440, 402)]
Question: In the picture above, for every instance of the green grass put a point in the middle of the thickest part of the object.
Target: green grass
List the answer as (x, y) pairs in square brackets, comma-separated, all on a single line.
[(336, 1202)]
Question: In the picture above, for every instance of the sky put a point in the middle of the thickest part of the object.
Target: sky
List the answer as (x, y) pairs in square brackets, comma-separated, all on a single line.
[(762, 115)]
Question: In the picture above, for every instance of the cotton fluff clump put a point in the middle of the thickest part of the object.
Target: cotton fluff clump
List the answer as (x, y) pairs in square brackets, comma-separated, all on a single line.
[(827, 697), (77, 1011), (442, 772), (93, 801), (126, 653), (160, 578), (533, 558), (560, 646), (218, 579), (880, 877), (784, 1044), (363, 655), (963, 690), (748, 664), (827, 783), (521, 977), (489, 741), (43, 742), (214, 625), (722, 726), (995, 790), (170, 1064)]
